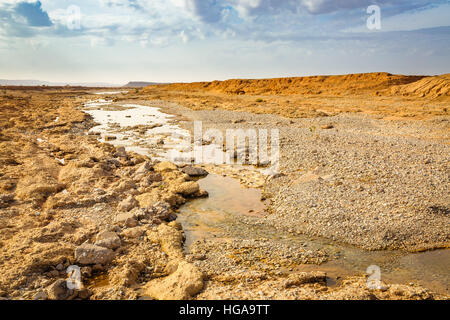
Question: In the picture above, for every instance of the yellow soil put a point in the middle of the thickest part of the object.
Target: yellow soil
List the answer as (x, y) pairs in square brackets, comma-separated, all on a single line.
[(381, 94)]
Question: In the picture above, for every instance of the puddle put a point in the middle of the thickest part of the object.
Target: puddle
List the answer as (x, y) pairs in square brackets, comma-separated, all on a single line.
[(227, 197), (139, 128)]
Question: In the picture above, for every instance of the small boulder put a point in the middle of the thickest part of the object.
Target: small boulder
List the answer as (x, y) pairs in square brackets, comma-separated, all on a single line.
[(195, 171), (165, 167), (183, 284), (120, 152), (143, 170), (127, 204), (107, 239), (93, 254), (133, 233), (58, 290), (123, 217), (187, 188)]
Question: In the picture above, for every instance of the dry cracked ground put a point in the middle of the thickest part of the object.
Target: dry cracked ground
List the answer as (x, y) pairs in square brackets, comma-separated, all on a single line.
[(69, 200)]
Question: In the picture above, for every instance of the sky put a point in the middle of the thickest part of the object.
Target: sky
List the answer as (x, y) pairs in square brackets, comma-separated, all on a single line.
[(117, 41)]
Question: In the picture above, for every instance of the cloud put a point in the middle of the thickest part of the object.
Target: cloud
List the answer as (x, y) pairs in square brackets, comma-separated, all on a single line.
[(33, 13), (208, 11)]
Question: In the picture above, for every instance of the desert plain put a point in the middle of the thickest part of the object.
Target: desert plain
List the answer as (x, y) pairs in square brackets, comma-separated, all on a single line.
[(363, 180)]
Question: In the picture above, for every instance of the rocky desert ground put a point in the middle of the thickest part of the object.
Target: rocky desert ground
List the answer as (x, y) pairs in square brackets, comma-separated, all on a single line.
[(363, 180)]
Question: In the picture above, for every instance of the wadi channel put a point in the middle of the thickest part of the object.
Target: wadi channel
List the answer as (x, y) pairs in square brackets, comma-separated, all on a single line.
[(88, 180)]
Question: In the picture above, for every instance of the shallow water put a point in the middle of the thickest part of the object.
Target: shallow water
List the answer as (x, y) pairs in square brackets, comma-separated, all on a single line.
[(118, 121), (203, 218), (207, 218)]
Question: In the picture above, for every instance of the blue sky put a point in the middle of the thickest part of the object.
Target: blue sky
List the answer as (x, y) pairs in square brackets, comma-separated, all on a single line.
[(188, 40)]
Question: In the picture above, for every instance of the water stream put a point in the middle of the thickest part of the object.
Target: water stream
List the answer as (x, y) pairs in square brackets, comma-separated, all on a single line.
[(228, 200)]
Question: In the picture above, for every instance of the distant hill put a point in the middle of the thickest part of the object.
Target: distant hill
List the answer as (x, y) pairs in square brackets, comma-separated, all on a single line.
[(326, 85), (139, 84), (4, 82)]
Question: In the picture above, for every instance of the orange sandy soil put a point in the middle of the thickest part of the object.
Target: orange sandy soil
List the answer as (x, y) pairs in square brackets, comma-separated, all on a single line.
[(381, 94)]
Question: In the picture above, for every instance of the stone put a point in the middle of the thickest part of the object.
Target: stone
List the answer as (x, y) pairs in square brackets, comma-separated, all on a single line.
[(195, 171), (53, 273), (84, 294), (121, 153), (165, 167), (5, 200), (154, 177), (133, 233), (108, 240), (146, 200), (201, 194), (122, 218), (142, 171), (58, 290), (182, 284), (170, 239), (41, 295), (187, 188), (125, 185), (127, 204), (93, 254), (131, 222)]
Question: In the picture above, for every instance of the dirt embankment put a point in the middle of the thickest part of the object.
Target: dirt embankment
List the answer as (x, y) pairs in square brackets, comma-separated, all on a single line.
[(378, 94), (326, 85), (429, 87)]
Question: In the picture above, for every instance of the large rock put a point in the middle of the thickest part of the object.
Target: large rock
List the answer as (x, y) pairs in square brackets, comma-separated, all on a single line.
[(128, 204), (183, 284), (133, 233), (107, 239), (58, 290), (165, 167), (147, 200), (143, 170), (194, 171), (187, 188), (170, 238), (160, 212), (129, 219), (93, 254)]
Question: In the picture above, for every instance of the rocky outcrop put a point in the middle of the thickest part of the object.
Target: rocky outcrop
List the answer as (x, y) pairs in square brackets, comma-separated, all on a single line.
[(182, 284)]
